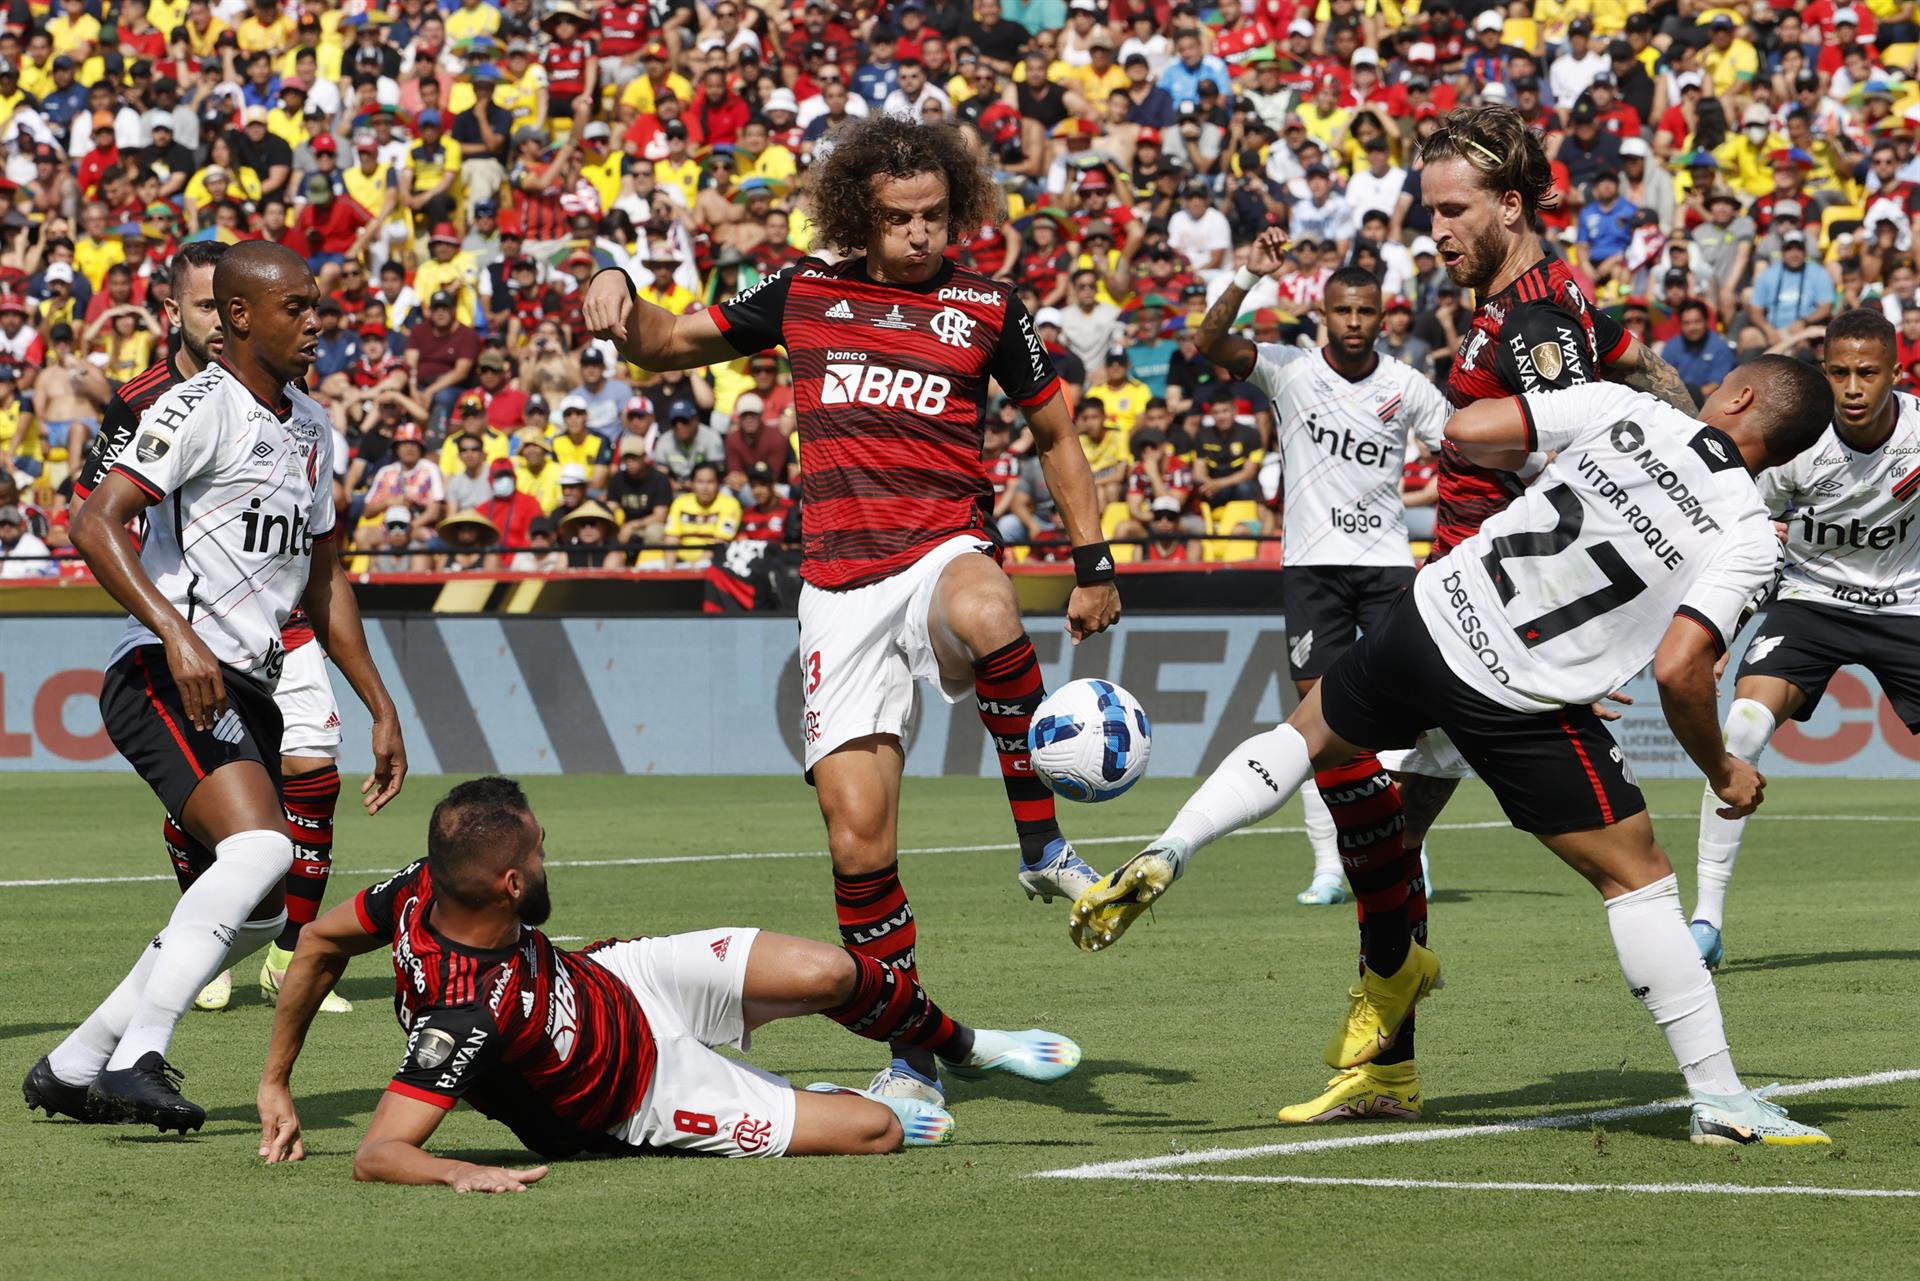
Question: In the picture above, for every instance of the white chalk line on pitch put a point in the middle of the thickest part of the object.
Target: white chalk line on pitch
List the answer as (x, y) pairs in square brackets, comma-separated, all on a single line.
[(750, 856), (1153, 1168)]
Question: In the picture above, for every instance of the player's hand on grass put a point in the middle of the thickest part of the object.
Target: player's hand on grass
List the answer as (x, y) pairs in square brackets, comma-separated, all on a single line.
[(279, 1125), (493, 1178), (389, 766), (1092, 609), (196, 673), (1741, 786), (1268, 253), (605, 307), (1606, 713)]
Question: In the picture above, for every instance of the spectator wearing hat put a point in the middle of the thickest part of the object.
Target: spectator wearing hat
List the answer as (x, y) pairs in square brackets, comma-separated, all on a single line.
[(409, 480), (1646, 185), (573, 492), (467, 537), (766, 514), (1166, 541), (687, 444), (451, 270), (1747, 157), (640, 494), (588, 533), (535, 469), (483, 132), (170, 162), (388, 534), (1789, 300), (266, 153), (1397, 339), (22, 554), (470, 418), (703, 517), (1701, 357), (511, 507), (1088, 327), (1587, 149), (1573, 71), (21, 344), (754, 442), (1676, 128), (575, 445), (605, 397), (1729, 61), (440, 356), (506, 403)]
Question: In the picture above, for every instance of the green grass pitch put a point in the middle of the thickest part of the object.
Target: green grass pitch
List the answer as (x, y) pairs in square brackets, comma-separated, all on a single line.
[(1195, 1028)]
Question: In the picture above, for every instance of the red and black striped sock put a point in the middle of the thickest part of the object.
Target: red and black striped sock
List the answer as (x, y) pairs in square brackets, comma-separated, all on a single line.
[(309, 801), (188, 856), (1402, 1048), (876, 924), (1366, 815), (1008, 689)]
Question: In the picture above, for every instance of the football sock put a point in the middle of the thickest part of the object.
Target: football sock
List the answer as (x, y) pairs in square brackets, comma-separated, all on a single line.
[(1320, 835), (1663, 969), (206, 925), (876, 922), (1253, 781), (1366, 810), (1749, 727), (308, 800), (889, 1005), (188, 856), (1401, 1050), (1007, 689), (80, 1057)]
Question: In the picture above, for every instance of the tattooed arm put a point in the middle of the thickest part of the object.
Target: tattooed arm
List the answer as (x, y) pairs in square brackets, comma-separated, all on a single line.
[(1232, 353), (1643, 369)]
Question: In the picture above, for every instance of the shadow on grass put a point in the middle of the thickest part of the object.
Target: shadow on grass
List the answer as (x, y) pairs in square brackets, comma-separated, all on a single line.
[(13, 1031), (1795, 960), (1451, 895), (1078, 1092)]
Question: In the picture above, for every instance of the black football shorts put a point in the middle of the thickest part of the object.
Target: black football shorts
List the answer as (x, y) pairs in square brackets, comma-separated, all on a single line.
[(140, 707), (1804, 644), (1329, 605)]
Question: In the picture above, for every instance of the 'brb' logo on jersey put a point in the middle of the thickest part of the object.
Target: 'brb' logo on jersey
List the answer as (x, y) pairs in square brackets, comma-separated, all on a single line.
[(885, 388)]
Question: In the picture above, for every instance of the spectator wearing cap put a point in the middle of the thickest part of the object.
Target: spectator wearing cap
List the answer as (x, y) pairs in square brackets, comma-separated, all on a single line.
[(512, 506), (471, 416), (1606, 226), (1701, 357), (1646, 185), (1587, 149), (409, 480), (483, 133), (1783, 217), (575, 445), (389, 535), (330, 229), (605, 397), (22, 555), (1200, 234), (1123, 397), (170, 162), (573, 492), (1632, 84), (1747, 157), (432, 167), (1730, 62), (640, 495), (1789, 299), (21, 344), (264, 152), (450, 270), (753, 441), (686, 444), (535, 469), (766, 513), (440, 356), (506, 403), (703, 517), (1398, 340), (1486, 62), (1573, 71)]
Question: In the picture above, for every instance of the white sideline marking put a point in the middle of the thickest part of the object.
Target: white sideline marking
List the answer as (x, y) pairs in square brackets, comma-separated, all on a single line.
[(1721, 1189), (1149, 1167), (750, 856)]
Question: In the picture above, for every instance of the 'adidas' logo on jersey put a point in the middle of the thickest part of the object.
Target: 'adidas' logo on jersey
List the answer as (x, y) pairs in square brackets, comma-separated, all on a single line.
[(719, 947), (840, 311)]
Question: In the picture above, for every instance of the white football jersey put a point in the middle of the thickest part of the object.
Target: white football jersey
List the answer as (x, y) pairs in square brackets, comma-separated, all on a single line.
[(1645, 515), (240, 496), (1852, 539), (1342, 445)]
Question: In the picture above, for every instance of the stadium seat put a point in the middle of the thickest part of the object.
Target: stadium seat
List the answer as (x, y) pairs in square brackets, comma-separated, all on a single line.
[(1110, 520), (1235, 517), (1838, 219), (1899, 55)]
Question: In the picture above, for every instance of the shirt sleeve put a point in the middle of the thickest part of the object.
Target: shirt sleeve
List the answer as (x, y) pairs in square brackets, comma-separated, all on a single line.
[(1020, 363), (1542, 347), (1555, 419), (1269, 359), (1428, 414), (321, 518), (1738, 575), (755, 319), (377, 905), (176, 441), (117, 425), (449, 1048)]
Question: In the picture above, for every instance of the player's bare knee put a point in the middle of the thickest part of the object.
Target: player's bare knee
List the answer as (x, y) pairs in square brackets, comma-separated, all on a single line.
[(882, 1133), (829, 974)]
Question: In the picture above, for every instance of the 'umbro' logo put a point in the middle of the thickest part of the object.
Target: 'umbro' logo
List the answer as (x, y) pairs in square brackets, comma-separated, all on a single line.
[(840, 311)]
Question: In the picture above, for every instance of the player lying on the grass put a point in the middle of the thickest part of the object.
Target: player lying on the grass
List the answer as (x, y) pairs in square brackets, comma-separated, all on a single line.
[(310, 739), (894, 348), (1849, 588), (236, 461), (1644, 539), (605, 1050)]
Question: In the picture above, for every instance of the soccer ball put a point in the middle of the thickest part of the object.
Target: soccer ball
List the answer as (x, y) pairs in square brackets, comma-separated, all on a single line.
[(1090, 740)]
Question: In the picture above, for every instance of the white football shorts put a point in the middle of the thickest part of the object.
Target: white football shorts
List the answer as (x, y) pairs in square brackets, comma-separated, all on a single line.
[(690, 987), (861, 651), (309, 713), (1432, 755)]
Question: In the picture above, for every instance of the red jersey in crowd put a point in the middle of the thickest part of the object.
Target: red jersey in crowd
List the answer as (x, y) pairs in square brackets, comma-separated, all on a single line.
[(1537, 334), (623, 30), (889, 382), (543, 1040), (766, 524), (566, 67), (1175, 475)]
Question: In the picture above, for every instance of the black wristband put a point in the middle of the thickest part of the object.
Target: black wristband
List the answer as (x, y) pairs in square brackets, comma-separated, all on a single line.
[(633, 292), (1092, 564)]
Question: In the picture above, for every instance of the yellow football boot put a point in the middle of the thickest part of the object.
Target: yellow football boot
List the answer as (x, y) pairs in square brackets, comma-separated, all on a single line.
[(216, 995), (1106, 908), (1387, 1091), (273, 972), (1380, 1006)]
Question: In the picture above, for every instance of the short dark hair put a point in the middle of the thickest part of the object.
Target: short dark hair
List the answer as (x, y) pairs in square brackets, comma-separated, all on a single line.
[(1863, 324), (469, 825), (885, 146), (195, 253), (1353, 278), (1797, 400), (704, 466), (1694, 304)]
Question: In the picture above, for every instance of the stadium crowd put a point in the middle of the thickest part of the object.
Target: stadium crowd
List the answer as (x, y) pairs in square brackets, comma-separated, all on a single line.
[(455, 172)]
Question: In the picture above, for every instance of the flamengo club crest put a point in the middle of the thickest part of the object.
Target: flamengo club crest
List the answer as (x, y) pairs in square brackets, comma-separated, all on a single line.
[(953, 327)]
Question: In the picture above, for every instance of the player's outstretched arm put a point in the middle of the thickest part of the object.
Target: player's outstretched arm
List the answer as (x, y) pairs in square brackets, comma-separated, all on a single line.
[(391, 1153), (1232, 353), (1095, 603), (1493, 433), (100, 532), (1684, 668), (649, 336), (326, 945), (1644, 369), (335, 615)]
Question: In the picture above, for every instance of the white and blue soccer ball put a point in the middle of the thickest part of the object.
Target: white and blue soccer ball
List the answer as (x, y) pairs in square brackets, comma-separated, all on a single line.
[(1090, 740)]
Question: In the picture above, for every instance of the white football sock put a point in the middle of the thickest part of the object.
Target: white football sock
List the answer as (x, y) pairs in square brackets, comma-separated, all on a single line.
[(79, 1058), (1321, 834), (1749, 727), (1255, 780), (1664, 971), (208, 923)]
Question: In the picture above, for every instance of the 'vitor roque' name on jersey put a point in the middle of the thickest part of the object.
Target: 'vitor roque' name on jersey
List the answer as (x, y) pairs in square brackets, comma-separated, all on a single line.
[(1851, 539)]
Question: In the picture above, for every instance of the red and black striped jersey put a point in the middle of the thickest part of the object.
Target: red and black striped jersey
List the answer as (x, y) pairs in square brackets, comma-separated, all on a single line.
[(1537, 334), (543, 1040), (889, 385)]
